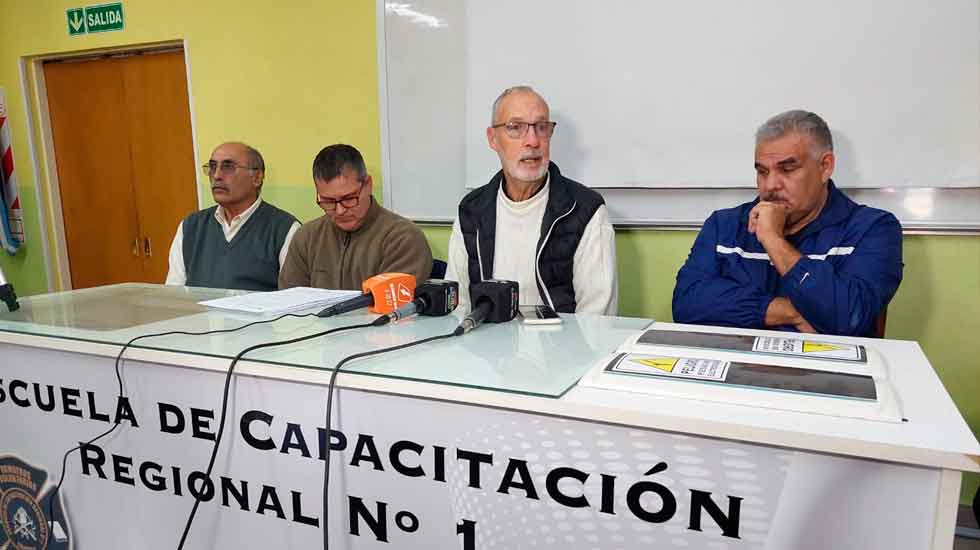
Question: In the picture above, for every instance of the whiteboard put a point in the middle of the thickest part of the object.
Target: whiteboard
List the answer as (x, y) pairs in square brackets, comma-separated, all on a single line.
[(657, 103)]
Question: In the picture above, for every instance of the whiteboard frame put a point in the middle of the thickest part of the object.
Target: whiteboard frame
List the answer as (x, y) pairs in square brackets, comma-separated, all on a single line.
[(387, 197)]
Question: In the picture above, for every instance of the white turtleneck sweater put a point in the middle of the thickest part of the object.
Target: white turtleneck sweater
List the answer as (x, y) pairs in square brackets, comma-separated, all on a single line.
[(515, 255)]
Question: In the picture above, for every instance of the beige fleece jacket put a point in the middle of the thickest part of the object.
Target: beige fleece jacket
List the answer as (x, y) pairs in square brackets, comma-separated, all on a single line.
[(323, 256)]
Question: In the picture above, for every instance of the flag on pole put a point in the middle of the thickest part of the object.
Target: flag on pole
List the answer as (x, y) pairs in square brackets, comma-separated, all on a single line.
[(11, 215)]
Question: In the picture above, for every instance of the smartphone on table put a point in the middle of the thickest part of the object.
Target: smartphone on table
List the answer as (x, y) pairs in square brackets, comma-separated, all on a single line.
[(539, 315)]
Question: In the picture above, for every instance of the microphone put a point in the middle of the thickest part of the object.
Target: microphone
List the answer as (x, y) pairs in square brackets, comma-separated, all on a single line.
[(494, 301), (382, 293), (434, 298), (7, 293)]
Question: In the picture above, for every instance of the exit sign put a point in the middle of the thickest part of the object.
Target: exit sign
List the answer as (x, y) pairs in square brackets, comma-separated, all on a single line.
[(101, 18)]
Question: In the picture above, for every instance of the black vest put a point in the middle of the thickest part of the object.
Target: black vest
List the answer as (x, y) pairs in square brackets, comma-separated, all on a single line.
[(249, 262), (570, 207)]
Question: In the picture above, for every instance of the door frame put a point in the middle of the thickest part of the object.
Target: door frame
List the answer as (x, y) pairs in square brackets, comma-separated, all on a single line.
[(49, 191)]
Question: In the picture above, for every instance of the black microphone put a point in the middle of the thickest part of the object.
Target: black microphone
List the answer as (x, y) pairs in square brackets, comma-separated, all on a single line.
[(494, 301), (434, 298), (7, 293), (362, 301), (382, 293)]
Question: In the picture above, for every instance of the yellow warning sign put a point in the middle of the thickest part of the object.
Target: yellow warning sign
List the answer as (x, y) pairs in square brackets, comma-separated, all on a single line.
[(820, 347), (665, 364)]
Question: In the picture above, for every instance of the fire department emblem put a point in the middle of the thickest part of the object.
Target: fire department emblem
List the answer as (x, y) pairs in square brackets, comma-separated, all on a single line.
[(24, 509)]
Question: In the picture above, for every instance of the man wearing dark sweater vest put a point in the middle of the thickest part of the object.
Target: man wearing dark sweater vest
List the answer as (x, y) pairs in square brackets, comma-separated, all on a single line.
[(532, 224), (356, 238), (241, 243)]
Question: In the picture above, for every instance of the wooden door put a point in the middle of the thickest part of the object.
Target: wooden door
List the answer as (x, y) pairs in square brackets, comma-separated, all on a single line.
[(162, 152), (123, 146), (95, 173)]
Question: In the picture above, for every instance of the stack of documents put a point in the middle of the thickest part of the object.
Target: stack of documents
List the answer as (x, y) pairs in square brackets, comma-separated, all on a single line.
[(815, 374), (281, 301)]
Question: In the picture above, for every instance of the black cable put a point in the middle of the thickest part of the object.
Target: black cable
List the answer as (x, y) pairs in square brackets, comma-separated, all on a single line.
[(224, 402), (121, 394), (330, 388)]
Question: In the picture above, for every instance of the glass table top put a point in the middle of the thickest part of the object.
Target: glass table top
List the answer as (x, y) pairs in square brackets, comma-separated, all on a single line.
[(539, 360)]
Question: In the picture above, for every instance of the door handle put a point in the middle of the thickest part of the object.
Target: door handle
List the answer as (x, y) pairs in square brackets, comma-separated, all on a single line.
[(136, 247), (147, 250)]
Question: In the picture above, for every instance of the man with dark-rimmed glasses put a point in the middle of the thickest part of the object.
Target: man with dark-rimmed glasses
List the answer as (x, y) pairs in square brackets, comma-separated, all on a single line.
[(530, 223), (242, 241), (356, 238)]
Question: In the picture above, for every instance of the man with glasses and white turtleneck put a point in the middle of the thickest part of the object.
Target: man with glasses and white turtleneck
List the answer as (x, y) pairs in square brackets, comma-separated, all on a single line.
[(530, 223)]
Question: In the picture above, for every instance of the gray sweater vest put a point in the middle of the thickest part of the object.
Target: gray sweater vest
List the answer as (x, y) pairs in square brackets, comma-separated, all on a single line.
[(249, 262)]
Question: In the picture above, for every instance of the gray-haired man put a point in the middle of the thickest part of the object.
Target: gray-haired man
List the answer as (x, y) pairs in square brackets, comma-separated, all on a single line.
[(240, 243), (802, 256), (530, 223)]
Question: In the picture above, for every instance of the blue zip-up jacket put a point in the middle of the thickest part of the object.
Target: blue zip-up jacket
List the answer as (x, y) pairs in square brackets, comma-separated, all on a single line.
[(850, 270)]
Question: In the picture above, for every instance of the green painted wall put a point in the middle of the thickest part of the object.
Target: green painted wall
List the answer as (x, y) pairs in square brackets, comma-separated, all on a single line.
[(288, 81)]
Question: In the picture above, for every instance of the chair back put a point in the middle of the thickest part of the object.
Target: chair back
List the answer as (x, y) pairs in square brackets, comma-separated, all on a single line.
[(438, 269)]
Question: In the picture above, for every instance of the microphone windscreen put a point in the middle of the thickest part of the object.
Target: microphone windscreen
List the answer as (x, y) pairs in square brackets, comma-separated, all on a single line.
[(390, 291), (501, 294), (441, 297)]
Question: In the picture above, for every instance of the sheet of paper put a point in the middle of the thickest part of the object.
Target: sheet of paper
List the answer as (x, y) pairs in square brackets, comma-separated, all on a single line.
[(807, 348), (676, 367), (796, 346), (281, 301)]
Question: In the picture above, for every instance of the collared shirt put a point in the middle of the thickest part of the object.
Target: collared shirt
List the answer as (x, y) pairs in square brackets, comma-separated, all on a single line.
[(177, 274)]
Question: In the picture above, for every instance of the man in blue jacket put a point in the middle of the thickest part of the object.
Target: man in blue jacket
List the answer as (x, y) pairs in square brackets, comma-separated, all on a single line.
[(802, 256)]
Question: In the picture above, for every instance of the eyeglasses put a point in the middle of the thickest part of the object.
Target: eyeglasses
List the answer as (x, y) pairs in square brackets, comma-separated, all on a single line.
[(516, 130), (223, 167), (348, 202)]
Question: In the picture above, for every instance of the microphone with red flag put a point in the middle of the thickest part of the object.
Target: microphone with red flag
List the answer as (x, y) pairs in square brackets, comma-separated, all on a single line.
[(383, 294)]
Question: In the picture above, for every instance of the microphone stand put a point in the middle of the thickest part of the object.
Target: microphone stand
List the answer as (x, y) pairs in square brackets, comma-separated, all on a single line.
[(7, 293)]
